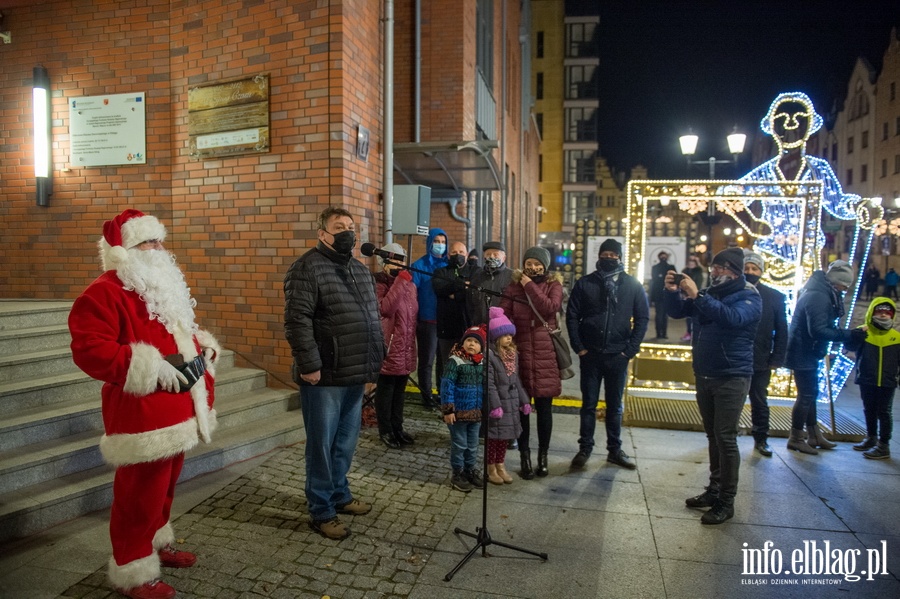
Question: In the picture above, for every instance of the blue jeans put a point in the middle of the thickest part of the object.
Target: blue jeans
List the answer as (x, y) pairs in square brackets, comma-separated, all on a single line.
[(464, 444), (804, 410), (427, 341), (611, 371), (331, 418), (720, 401)]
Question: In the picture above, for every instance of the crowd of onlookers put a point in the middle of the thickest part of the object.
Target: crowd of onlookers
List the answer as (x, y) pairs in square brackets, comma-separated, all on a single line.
[(491, 334)]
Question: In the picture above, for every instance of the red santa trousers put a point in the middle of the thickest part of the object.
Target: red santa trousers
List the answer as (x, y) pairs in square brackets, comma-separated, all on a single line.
[(142, 501)]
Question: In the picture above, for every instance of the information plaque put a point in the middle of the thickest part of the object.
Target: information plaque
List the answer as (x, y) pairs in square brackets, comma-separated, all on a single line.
[(107, 130), (229, 118)]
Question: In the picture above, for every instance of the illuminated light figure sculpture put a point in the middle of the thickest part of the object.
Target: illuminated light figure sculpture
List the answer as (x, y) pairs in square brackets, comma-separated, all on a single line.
[(791, 120)]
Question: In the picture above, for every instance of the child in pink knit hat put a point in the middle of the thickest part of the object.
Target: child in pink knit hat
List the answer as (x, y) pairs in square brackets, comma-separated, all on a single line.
[(506, 397)]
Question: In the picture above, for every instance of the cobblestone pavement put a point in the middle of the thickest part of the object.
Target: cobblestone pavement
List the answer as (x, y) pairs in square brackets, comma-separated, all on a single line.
[(252, 538)]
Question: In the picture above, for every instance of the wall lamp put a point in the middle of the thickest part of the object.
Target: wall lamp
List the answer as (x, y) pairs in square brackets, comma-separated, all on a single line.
[(42, 158)]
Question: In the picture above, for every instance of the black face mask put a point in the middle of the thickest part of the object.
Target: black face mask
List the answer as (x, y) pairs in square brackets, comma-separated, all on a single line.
[(343, 242), (394, 272), (752, 279), (608, 264), (457, 260)]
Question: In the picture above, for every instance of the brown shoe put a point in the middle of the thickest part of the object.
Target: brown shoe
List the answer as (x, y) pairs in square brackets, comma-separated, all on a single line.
[(330, 529), (493, 477), (354, 508), (502, 473)]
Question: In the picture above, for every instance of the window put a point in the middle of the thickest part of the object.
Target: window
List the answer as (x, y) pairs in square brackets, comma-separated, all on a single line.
[(864, 173), (581, 166), (540, 167), (580, 40), (541, 207), (539, 87), (864, 142), (834, 152), (539, 119), (610, 201), (884, 131), (580, 82), (539, 45), (578, 205), (893, 91), (849, 179), (850, 145), (896, 163), (883, 168), (484, 39), (581, 124), (897, 127)]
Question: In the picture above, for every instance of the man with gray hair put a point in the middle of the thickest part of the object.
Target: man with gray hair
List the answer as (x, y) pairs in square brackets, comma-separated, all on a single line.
[(769, 348), (819, 305)]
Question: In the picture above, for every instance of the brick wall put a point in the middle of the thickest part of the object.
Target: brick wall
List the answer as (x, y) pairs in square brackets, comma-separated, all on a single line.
[(237, 223)]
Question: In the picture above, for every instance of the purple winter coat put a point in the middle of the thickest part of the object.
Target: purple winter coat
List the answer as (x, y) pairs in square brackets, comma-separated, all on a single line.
[(399, 309), (537, 358)]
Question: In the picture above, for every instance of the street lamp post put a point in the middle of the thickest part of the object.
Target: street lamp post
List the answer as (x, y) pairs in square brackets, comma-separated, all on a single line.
[(736, 142)]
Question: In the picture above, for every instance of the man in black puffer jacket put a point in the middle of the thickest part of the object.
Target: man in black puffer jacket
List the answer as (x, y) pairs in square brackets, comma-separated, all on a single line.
[(726, 316), (333, 326), (607, 319)]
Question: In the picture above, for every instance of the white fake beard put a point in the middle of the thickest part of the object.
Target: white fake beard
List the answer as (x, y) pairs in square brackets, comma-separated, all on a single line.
[(154, 275)]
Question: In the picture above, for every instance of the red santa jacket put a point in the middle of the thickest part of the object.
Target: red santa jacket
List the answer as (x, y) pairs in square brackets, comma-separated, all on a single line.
[(115, 341)]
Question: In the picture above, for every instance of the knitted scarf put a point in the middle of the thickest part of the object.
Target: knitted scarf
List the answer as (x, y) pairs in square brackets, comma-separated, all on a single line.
[(459, 351), (508, 357), (609, 280)]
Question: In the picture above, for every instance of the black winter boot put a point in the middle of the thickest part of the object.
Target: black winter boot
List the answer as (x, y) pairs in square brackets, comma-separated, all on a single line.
[(542, 463), (527, 471)]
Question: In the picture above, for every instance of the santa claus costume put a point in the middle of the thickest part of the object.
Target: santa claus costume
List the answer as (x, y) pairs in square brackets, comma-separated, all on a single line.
[(124, 325)]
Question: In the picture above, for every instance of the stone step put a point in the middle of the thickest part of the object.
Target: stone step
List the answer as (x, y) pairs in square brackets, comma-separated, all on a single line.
[(26, 394), (17, 341), (29, 510), (234, 388), (38, 462), (26, 314), (36, 364)]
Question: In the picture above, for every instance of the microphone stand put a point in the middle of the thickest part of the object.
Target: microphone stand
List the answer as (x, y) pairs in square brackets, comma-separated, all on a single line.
[(481, 534)]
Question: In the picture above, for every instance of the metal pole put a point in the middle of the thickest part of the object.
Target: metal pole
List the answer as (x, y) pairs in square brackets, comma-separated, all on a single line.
[(387, 187), (830, 396)]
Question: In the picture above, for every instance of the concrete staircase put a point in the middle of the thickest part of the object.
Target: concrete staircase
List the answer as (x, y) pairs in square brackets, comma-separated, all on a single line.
[(50, 423)]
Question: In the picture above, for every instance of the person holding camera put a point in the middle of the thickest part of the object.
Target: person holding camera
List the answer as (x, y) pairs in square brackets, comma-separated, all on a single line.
[(133, 328), (726, 316), (607, 318)]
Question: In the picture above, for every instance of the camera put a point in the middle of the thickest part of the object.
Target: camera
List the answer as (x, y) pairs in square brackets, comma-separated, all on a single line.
[(678, 278)]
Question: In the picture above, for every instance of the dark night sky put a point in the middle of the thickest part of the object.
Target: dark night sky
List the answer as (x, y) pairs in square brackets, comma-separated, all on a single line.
[(712, 64)]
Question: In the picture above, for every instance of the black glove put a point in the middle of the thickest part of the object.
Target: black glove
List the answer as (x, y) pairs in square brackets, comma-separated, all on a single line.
[(857, 338)]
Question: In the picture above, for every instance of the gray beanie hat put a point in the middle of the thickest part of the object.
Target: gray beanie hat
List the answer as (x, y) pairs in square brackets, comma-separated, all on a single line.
[(538, 253), (840, 273), (394, 248), (754, 258)]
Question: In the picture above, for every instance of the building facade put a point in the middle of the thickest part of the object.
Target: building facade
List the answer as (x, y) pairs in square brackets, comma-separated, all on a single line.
[(236, 223)]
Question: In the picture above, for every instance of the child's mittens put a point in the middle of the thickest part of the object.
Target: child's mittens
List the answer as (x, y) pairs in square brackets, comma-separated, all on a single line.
[(496, 413), (526, 409)]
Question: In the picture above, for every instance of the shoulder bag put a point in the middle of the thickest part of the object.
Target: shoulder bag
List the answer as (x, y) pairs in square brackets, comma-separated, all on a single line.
[(560, 346)]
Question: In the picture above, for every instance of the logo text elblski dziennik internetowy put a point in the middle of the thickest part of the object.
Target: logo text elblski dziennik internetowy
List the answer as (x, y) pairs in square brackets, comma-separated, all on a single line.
[(814, 559)]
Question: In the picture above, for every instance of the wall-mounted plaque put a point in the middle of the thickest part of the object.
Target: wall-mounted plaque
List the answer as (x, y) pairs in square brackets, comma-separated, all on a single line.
[(362, 143), (107, 130), (229, 118)]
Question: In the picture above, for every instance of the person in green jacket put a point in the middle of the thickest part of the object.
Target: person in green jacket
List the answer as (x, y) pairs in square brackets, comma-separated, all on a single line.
[(877, 369)]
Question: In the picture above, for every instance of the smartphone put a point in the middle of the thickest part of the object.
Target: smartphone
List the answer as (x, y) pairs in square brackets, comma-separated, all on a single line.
[(678, 278)]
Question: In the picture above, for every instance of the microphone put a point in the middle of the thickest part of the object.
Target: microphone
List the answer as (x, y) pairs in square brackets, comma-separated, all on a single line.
[(369, 249)]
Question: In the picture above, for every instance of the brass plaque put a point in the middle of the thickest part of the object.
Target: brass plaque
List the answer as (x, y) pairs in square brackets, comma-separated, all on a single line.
[(229, 118)]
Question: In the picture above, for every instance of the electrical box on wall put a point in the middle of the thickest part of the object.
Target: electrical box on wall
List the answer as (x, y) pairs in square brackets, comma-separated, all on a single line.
[(412, 209)]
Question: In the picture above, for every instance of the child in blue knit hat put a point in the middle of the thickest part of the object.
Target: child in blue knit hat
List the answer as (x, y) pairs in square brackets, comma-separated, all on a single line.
[(506, 396), (462, 397)]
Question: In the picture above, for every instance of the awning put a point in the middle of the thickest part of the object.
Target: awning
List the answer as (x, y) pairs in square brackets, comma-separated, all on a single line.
[(449, 166)]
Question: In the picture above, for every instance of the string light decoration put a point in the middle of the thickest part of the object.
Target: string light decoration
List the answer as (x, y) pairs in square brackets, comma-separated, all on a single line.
[(782, 215)]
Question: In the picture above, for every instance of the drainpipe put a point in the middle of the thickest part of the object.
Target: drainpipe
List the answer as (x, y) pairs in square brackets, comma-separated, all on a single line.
[(417, 110), (504, 194), (387, 187)]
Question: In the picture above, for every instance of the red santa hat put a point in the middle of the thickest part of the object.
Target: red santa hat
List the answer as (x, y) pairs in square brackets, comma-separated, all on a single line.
[(129, 229)]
